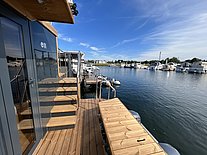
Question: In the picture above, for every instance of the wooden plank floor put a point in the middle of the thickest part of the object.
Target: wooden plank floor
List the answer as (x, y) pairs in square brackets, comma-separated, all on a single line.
[(125, 135), (85, 138)]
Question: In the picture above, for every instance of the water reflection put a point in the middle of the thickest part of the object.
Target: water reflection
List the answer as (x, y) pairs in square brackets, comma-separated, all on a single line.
[(13, 45)]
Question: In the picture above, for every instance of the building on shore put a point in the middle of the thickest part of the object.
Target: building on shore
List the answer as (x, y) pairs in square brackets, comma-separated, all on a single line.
[(198, 67), (100, 62)]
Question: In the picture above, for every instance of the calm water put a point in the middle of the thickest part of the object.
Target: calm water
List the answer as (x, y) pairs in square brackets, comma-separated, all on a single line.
[(173, 106)]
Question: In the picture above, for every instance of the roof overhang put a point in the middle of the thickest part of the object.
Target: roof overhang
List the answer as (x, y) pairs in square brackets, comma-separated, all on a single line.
[(44, 10)]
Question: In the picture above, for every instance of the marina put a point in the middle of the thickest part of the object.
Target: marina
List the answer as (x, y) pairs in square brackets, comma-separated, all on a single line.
[(172, 106), (53, 101)]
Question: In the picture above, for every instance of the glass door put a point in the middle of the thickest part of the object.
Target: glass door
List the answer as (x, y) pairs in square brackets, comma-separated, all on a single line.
[(20, 82)]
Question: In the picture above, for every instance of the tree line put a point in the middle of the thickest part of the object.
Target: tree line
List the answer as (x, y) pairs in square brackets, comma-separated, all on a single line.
[(163, 61)]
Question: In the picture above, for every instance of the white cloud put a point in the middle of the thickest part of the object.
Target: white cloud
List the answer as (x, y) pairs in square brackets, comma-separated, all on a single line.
[(179, 28), (96, 48), (125, 41), (91, 47), (183, 39), (67, 39), (84, 44)]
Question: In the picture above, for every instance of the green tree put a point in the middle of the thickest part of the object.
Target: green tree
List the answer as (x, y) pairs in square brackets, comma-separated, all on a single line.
[(174, 59)]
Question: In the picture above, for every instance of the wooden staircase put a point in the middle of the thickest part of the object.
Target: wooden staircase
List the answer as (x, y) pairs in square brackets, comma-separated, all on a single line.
[(58, 104)]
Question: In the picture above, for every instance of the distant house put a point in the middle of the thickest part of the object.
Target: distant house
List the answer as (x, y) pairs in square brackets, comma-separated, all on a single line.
[(198, 67), (100, 61)]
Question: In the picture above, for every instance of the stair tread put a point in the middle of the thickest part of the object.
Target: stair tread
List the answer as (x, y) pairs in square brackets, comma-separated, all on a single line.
[(25, 124), (58, 89), (53, 109), (58, 98), (48, 122), (59, 121), (58, 108), (58, 81)]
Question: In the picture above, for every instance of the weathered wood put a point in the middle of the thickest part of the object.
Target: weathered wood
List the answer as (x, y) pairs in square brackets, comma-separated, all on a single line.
[(58, 108), (59, 144), (57, 89), (130, 142), (46, 143), (141, 150), (59, 121), (97, 130), (124, 128), (85, 138), (80, 130), (86, 131), (125, 135), (92, 139), (53, 142), (58, 81), (66, 142), (61, 98), (120, 123), (25, 124)]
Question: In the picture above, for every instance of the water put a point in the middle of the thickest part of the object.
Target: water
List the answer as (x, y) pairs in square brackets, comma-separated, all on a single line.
[(172, 106)]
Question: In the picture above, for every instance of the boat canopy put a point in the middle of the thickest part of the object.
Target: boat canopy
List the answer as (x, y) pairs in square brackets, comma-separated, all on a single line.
[(44, 10)]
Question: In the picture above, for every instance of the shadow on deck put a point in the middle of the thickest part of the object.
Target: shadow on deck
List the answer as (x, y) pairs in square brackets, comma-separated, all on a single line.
[(85, 138)]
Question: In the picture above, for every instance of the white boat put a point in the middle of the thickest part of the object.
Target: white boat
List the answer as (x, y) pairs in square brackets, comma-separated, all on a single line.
[(137, 65), (182, 69), (169, 67), (169, 149), (135, 115), (156, 66), (198, 67), (115, 82)]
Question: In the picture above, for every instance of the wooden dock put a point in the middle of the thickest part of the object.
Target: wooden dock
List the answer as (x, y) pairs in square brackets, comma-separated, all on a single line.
[(85, 138), (124, 134)]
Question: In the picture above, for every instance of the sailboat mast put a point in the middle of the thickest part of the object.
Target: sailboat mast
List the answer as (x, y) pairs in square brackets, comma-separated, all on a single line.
[(160, 56)]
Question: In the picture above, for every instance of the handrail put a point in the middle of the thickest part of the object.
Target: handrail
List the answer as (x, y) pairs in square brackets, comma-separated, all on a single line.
[(113, 89), (109, 91), (78, 76)]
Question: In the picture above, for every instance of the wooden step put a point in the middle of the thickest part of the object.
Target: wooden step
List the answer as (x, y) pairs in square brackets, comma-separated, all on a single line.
[(57, 89), (58, 81), (61, 98), (59, 121), (53, 109), (25, 124), (48, 122), (58, 109), (27, 112)]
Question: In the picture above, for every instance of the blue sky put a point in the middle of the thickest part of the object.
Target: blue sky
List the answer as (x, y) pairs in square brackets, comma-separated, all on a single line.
[(137, 29)]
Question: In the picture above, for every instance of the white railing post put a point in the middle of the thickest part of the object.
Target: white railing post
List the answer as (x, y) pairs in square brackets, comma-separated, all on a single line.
[(78, 79)]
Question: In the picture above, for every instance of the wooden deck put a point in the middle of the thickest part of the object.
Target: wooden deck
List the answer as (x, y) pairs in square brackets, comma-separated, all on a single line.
[(85, 138), (124, 134)]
